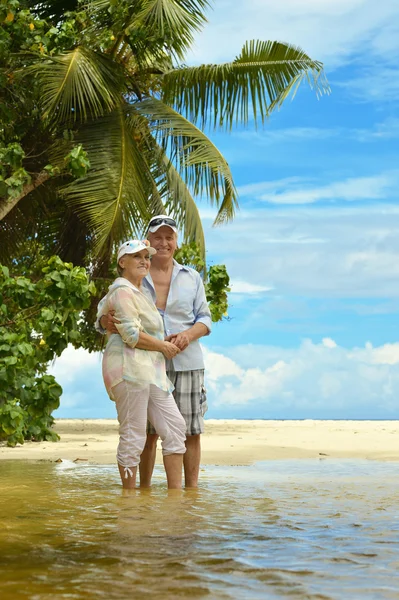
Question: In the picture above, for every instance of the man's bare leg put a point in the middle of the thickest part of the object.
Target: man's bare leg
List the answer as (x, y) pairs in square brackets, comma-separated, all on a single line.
[(147, 460), (174, 470), (191, 461), (128, 480)]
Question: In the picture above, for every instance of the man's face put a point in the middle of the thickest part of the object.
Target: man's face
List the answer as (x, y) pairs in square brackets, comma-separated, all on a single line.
[(164, 241)]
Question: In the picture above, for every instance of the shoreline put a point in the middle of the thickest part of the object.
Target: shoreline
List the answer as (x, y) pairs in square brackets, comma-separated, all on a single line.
[(227, 441)]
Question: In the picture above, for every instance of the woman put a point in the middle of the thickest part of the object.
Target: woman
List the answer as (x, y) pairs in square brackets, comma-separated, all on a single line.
[(134, 369)]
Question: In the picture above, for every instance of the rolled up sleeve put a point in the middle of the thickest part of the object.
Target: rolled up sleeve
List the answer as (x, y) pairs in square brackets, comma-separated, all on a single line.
[(123, 303), (101, 311), (201, 308)]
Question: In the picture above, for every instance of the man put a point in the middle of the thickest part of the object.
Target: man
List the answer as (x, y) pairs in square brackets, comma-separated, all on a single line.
[(179, 295)]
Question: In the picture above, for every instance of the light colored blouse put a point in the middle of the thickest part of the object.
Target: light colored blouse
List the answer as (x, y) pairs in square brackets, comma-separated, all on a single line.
[(186, 305), (136, 312)]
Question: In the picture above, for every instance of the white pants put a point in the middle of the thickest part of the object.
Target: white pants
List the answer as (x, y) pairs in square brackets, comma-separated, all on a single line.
[(134, 406)]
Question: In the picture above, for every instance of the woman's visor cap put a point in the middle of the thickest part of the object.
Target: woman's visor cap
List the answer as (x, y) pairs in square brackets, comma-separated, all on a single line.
[(134, 246)]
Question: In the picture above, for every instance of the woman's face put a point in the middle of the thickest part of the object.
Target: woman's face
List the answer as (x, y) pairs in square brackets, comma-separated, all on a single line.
[(135, 266)]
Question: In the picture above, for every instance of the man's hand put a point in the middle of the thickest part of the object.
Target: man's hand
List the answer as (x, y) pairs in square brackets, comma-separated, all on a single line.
[(181, 340), (108, 322)]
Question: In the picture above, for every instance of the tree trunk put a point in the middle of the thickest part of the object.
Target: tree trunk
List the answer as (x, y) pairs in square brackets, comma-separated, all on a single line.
[(8, 204)]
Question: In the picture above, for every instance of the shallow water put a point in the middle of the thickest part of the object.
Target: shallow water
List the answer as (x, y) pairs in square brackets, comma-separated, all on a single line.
[(282, 529)]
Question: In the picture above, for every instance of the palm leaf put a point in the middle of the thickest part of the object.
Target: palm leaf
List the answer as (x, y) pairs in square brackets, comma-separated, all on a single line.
[(172, 22), (78, 85), (182, 16), (197, 159), (178, 200), (168, 185), (161, 24), (117, 197), (254, 84)]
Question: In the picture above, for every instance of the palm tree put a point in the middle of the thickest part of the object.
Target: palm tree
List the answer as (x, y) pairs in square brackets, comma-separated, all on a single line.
[(122, 91)]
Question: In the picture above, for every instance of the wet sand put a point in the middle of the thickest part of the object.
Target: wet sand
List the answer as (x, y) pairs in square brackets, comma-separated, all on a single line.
[(228, 442)]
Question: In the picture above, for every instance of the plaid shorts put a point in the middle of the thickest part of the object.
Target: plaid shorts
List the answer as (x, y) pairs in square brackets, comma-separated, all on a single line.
[(190, 397)]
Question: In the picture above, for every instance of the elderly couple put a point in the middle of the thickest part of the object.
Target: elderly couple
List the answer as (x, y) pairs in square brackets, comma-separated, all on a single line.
[(154, 314)]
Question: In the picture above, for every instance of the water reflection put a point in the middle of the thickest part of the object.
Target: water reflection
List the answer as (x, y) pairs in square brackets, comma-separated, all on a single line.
[(292, 529)]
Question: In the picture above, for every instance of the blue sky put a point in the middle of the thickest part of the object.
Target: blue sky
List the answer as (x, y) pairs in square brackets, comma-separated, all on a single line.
[(313, 253)]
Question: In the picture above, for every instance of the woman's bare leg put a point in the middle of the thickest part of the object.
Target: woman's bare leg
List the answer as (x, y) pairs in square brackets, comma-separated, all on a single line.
[(171, 428), (128, 479)]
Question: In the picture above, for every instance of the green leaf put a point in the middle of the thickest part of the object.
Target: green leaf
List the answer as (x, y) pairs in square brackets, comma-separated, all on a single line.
[(78, 84), (252, 86), (10, 360), (48, 314), (202, 165), (175, 20), (118, 196)]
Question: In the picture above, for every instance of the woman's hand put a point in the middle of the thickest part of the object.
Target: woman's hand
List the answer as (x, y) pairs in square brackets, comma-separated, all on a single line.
[(169, 350)]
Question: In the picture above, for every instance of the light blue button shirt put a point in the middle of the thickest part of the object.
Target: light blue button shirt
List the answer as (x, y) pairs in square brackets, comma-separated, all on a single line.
[(186, 305)]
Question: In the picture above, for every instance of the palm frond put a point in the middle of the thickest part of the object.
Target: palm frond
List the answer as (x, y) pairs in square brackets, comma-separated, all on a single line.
[(253, 85), (178, 200), (184, 16), (117, 197), (161, 24), (168, 186), (78, 85), (196, 158)]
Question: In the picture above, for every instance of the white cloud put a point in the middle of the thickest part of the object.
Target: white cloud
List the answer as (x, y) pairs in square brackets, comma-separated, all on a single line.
[(263, 138), (238, 286), (84, 396), (296, 190), (265, 143), (328, 343), (387, 354), (270, 136), (222, 366), (313, 380), (375, 83), (256, 189), (329, 30), (73, 362), (328, 251), (384, 130), (316, 379), (369, 262)]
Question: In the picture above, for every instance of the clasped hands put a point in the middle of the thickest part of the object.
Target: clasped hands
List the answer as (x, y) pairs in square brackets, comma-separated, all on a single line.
[(172, 345)]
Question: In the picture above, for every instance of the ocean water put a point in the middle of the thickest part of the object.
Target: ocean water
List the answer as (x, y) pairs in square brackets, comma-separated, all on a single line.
[(305, 529)]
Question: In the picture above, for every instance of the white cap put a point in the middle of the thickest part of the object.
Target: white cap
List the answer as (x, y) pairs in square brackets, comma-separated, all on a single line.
[(161, 221), (133, 246)]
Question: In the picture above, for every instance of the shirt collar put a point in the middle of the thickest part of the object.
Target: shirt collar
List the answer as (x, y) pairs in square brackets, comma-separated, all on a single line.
[(176, 267), (179, 266)]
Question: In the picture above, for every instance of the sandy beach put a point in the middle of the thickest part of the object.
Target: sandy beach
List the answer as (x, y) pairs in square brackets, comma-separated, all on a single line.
[(228, 442)]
